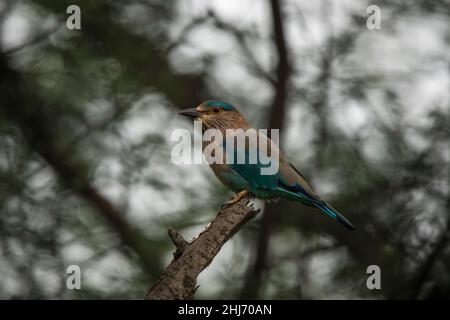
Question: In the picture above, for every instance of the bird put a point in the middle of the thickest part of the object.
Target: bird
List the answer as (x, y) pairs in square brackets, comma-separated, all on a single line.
[(245, 179)]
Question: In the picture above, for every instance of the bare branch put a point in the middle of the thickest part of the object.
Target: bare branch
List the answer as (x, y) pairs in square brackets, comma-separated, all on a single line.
[(179, 281), (178, 241)]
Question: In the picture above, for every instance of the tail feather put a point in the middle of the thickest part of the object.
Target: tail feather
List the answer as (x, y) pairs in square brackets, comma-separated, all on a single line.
[(325, 207), (294, 193)]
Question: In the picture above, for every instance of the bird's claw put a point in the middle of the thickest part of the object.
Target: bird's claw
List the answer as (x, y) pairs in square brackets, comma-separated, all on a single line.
[(236, 199), (225, 205)]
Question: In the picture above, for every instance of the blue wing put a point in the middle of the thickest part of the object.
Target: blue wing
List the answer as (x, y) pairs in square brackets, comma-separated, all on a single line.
[(287, 182)]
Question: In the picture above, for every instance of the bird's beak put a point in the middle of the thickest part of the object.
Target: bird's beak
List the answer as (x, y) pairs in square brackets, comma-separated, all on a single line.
[(191, 112)]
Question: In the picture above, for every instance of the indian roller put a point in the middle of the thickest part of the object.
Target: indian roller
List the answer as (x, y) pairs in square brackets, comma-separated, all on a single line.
[(246, 179)]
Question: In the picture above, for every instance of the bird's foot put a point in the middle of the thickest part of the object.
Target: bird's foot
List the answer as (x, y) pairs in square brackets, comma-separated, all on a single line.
[(237, 198), (227, 204)]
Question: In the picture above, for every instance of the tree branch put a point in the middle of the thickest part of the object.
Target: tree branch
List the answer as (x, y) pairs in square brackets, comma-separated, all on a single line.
[(179, 281)]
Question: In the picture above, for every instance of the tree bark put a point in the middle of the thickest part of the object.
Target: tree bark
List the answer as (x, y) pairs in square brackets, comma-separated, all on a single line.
[(179, 281)]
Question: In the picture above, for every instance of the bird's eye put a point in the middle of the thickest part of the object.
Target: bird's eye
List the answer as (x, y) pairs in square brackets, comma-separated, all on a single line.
[(216, 110)]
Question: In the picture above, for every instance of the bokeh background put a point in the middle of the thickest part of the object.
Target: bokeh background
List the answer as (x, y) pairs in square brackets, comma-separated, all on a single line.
[(86, 118)]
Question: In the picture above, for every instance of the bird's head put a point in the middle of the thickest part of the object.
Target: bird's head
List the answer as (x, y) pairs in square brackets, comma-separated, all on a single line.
[(217, 114)]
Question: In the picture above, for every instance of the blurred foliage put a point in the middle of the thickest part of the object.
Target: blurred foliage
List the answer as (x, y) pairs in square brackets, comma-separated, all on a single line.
[(85, 124)]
